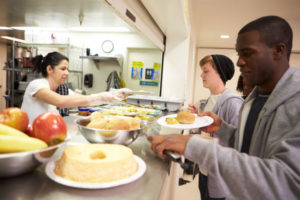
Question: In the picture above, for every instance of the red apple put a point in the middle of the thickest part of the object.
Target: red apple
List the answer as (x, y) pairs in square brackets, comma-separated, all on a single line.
[(29, 131), (14, 117), (49, 127)]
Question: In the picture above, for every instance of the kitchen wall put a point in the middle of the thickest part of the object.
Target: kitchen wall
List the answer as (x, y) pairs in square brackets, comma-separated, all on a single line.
[(79, 41)]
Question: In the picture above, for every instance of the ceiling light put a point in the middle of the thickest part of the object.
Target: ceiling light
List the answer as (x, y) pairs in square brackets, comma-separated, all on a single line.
[(40, 28), (224, 36), (14, 39), (99, 29), (5, 28)]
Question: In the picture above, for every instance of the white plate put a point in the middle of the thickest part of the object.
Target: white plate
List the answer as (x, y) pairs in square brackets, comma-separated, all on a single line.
[(51, 174), (198, 123)]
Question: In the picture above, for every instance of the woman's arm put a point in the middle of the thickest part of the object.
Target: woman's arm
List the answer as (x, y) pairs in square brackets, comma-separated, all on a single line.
[(66, 101)]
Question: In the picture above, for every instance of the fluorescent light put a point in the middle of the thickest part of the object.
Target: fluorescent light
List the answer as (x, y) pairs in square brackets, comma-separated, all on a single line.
[(99, 29), (5, 28), (224, 36), (14, 39), (40, 28)]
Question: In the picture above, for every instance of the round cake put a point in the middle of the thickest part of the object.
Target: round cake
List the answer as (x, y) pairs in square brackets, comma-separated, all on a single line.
[(96, 163)]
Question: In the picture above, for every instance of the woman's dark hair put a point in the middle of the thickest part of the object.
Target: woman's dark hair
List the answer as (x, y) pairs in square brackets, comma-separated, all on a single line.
[(40, 63), (272, 30)]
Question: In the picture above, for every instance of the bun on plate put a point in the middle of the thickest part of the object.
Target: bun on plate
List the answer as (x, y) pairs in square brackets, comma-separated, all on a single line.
[(185, 117)]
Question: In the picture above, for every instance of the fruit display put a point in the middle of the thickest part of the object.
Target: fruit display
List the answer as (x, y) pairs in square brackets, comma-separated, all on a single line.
[(12, 143), (13, 140), (16, 135), (49, 127), (14, 117)]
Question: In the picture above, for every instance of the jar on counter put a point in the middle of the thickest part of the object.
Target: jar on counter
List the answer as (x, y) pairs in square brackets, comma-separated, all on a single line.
[(83, 111)]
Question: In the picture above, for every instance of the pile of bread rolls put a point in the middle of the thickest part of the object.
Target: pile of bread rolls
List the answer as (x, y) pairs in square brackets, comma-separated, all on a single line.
[(115, 123)]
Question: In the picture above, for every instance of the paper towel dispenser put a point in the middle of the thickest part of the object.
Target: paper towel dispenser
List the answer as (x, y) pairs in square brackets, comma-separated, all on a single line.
[(88, 80)]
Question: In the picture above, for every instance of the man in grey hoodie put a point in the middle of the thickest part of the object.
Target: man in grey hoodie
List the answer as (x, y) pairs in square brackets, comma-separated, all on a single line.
[(264, 160)]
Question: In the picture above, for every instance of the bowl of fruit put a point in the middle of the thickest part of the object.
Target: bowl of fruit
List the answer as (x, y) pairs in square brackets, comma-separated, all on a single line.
[(24, 147)]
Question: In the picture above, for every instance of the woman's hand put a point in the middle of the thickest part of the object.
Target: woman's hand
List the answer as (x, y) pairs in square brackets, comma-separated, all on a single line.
[(122, 93), (215, 126), (102, 98), (174, 142), (192, 108)]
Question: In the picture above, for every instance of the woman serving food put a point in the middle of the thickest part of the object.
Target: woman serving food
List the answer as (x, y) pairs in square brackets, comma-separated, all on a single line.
[(40, 95)]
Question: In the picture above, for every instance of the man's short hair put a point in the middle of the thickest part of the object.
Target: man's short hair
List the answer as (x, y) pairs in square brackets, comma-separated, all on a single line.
[(272, 30)]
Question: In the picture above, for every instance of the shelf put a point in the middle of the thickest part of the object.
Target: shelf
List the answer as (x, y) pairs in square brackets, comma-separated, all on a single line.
[(56, 45), (117, 58), (18, 69)]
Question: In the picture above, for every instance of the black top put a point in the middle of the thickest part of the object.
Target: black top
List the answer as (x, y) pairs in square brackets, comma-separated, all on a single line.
[(256, 107)]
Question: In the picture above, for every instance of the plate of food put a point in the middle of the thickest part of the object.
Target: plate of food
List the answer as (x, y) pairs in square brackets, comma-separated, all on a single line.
[(59, 169), (184, 121)]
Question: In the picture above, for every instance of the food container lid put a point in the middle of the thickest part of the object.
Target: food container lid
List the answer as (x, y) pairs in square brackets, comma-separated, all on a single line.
[(91, 110), (83, 109)]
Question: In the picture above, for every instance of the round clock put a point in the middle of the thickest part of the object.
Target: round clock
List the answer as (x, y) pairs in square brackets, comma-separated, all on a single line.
[(107, 46)]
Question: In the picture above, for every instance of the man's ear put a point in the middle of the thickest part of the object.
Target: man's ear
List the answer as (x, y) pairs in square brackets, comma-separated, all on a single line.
[(279, 51)]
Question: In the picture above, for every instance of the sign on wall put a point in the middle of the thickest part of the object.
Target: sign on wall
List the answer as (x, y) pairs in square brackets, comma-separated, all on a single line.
[(137, 70)]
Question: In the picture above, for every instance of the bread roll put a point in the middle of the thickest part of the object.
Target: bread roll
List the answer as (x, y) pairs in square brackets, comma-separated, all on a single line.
[(117, 124), (97, 123), (133, 123), (185, 117), (96, 116)]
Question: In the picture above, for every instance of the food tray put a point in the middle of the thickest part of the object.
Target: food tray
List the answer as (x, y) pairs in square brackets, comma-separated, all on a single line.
[(171, 103)]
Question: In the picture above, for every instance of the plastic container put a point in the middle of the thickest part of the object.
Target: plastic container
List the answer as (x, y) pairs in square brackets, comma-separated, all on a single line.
[(83, 111), (171, 103)]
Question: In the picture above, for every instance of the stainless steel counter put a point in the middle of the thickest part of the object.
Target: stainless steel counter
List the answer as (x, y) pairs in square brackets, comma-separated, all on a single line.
[(36, 185)]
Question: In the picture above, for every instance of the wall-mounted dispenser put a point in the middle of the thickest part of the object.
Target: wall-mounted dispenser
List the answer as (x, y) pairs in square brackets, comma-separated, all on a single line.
[(88, 80)]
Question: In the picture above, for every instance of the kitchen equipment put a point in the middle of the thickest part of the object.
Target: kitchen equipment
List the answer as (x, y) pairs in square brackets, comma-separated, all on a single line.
[(171, 103), (94, 135), (13, 164), (27, 62), (18, 52), (88, 80)]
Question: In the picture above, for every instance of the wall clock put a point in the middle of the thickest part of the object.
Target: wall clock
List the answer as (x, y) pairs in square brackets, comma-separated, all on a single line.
[(107, 46)]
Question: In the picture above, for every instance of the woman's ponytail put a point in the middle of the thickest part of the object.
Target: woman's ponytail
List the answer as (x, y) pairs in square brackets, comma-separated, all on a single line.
[(37, 64)]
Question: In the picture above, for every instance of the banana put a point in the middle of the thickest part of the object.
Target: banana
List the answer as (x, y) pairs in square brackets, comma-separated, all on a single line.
[(13, 143), (7, 130)]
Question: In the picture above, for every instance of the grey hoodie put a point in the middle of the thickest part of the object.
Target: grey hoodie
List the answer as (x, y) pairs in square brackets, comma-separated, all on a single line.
[(228, 107), (271, 170)]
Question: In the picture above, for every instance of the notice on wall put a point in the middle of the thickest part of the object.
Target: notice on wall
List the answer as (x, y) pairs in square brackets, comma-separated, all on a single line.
[(156, 72), (137, 70)]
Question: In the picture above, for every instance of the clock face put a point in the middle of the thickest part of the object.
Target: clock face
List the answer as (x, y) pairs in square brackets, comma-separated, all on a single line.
[(107, 46)]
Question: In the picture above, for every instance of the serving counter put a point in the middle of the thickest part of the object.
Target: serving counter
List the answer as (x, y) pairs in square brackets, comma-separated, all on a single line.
[(36, 185)]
